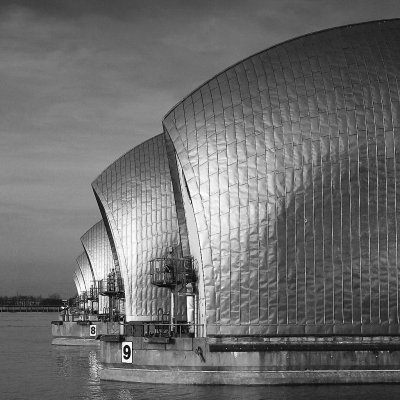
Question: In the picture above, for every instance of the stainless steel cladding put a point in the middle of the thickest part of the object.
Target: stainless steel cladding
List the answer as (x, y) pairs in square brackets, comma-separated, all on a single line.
[(97, 246), (78, 280), (291, 159), (137, 204), (86, 271)]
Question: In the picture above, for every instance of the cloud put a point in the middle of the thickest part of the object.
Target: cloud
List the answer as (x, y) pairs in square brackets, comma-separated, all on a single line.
[(82, 82)]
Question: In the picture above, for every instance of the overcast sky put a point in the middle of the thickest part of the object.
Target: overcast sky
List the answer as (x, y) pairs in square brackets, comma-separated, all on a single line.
[(84, 81)]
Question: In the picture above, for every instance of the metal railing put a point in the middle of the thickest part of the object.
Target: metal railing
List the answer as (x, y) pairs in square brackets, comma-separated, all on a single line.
[(172, 272), (112, 286), (93, 294), (82, 297), (164, 329)]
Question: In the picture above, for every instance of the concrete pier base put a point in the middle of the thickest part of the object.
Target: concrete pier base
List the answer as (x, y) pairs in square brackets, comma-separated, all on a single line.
[(262, 361), (75, 342), (250, 377), (81, 333)]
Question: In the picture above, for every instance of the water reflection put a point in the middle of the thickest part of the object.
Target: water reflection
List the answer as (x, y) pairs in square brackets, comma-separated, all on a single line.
[(63, 365), (94, 366), (125, 394)]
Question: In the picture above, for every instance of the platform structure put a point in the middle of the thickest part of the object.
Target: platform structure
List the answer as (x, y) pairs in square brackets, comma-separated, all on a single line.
[(92, 297), (82, 302), (279, 175), (179, 276), (173, 273), (83, 325), (113, 288)]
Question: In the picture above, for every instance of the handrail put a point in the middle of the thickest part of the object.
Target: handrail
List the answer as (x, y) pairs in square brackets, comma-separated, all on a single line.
[(163, 329), (112, 286), (170, 272)]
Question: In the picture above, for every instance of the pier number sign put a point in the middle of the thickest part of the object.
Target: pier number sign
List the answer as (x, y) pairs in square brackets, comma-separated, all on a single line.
[(92, 330), (126, 354)]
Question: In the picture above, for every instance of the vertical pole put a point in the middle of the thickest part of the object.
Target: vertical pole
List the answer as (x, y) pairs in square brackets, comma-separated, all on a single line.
[(190, 311), (110, 308), (196, 333), (172, 313)]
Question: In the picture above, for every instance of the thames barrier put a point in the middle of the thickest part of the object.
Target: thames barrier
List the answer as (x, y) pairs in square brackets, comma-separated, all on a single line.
[(255, 240)]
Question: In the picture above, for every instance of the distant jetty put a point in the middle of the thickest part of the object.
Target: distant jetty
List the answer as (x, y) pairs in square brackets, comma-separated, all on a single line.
[(22, 303), (29, 308)]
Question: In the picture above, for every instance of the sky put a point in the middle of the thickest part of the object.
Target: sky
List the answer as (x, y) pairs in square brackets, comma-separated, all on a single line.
[(84, 81)]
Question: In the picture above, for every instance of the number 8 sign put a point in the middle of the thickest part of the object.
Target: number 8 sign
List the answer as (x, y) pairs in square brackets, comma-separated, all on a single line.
[(126, 352), (92, 330)]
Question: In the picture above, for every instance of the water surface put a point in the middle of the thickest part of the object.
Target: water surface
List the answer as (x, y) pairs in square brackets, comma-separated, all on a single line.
[(31, 368)]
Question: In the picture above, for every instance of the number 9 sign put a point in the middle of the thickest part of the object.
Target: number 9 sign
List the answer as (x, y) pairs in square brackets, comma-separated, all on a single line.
[(92, 330), (126, 352)]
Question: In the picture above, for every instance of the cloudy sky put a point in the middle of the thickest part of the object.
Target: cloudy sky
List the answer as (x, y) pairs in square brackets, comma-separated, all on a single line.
[(84, 81)]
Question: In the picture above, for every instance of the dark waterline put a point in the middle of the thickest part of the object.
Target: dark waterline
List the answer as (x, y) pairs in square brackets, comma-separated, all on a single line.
[(31, 368)]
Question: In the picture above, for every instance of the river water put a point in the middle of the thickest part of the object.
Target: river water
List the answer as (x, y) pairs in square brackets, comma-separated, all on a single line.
[(31, 368)]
